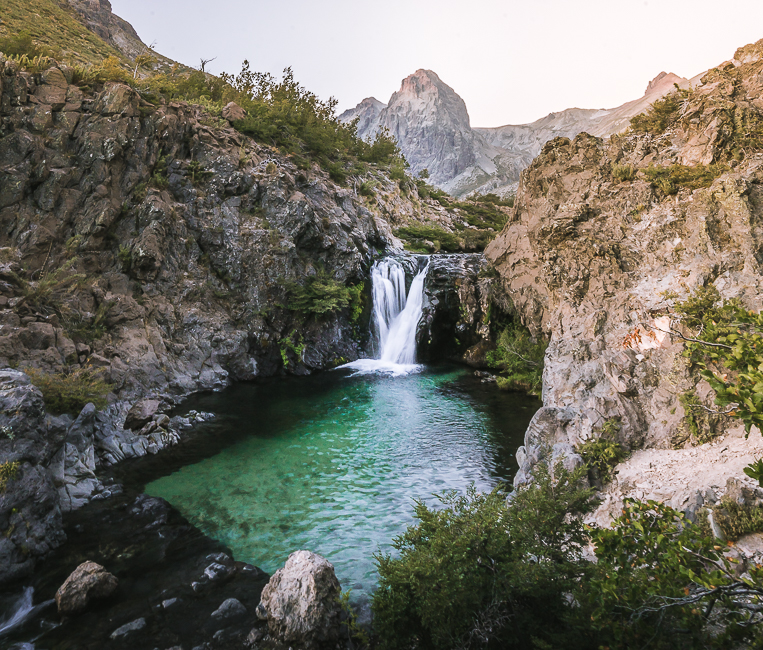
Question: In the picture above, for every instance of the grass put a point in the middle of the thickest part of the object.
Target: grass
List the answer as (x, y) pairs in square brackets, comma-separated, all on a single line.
[(70, 392), (55, 28), (8, 472)]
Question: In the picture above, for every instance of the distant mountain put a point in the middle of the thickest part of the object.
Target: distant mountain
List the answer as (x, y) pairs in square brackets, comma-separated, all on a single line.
[(431, 124)]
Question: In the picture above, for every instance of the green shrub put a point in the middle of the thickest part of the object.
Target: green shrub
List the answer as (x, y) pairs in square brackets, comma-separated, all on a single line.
[(601, 455), (673, 177), (661, 114), (290, 344), (738, 520), (46, 295), (87, 330), (70, 392), (462, 574), (521, 358), (622, 173), (482, 215), (417, 235), (320, 294), (22, 44), (8, 472)]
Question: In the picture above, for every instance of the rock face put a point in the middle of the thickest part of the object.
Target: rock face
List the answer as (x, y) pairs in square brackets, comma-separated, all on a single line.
[(167, 245), (431, 124), (88, 582), (588, 259), (301, 602)]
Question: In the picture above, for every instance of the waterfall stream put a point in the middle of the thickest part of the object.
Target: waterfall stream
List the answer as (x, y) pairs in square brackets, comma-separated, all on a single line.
[(395, 320)]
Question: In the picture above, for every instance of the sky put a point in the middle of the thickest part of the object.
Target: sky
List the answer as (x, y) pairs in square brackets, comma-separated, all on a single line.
[(512, 62)]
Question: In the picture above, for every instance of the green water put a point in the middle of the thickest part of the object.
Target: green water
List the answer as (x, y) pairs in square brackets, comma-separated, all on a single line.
[(332, 463)]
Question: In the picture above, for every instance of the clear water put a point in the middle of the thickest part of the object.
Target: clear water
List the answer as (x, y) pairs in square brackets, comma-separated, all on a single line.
[(332, 463)]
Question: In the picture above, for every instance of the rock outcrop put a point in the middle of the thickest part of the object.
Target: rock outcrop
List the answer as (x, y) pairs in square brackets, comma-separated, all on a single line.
[(88, 582), (589, 259), (301, 602), (155, 245), (431, 124)]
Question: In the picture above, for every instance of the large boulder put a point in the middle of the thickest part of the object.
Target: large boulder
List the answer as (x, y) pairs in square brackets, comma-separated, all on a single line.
[(88, 582), (301, 602), (141, 413)]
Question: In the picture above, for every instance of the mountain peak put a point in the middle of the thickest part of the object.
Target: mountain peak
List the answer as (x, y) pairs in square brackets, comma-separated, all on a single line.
[(663, 81)]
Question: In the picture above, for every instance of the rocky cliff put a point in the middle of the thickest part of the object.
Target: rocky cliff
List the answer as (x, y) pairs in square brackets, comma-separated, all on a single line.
[(596, 259), (157, 244), (431, 123)]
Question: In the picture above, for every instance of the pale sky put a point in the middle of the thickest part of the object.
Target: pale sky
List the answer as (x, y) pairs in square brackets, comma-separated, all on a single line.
[(512, 62)]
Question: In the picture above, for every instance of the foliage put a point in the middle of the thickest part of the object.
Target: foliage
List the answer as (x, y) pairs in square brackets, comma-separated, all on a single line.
[(622, 173), (88, 329), (755, 471), (737, 520), (661, 114), (482, 215), (46, 294), (728, 351), (418, 235), (22, 44), (463, 578), (70, 392), (494, 199), (289, 344), (8, 472), (320, 294), (673, 177), (521, 358), (602, 454), (197, 172), (659, 583)]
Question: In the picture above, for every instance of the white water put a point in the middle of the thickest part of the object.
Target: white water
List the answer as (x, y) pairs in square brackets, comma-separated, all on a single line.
[(395, 320), (19, 613)]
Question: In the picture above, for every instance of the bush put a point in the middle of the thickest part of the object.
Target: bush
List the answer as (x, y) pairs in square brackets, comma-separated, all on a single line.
[(320, 294), (22, 44), (521, 358), (738, 520), (70, 392), (661, 114), (463, 577), (601, 455), (623, 173), (418, 235), (46, 295), (673, 177)]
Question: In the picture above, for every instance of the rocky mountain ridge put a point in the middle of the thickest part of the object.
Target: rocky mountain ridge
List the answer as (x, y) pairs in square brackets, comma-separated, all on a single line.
[(589, 257), (431, 124)]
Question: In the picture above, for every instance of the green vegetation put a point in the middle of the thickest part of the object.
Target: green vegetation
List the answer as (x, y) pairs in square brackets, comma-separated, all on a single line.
[(417, 237), (485, 571), (83, 329), (673, 177), (462, 577), (736, 520), (47, 294), (602, 454), (755, 471), (8, 472), (70, 392), (320, 294), (661, 114), (53, 30), (289, 344), (521, 358), (622, 173)]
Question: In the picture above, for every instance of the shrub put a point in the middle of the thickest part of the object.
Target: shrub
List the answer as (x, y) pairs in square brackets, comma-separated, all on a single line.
[(463, 577), (482, 215), (418, 235), (22, 44), (673, 177), (737, 520), (661, 114), (623, 173), (46, 294), (601, 455), (521, 358), (320, 294), (70, 392), (8, 472)]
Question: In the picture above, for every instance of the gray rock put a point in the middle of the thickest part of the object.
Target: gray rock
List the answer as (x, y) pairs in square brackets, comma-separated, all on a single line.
[(229, 610), (88, 582), (301, 601), (128, 628), (141, 413)]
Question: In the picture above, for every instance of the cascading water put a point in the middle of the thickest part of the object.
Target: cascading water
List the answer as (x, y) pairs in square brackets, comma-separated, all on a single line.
[(395, 319)]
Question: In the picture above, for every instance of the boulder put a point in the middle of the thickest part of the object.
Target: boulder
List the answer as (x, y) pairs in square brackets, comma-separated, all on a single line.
[(141, 413), (88, 582), (301, 601), (233, 112), (229, 610)]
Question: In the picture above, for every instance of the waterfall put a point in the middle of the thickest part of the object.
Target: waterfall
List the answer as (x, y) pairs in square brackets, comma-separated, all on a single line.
[(395, 319), (20, 612)]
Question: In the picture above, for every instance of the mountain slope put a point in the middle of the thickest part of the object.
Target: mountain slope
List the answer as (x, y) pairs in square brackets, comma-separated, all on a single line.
[(431, 123)]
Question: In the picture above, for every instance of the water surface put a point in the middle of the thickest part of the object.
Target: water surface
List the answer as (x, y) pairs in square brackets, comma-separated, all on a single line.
[(332, 463)]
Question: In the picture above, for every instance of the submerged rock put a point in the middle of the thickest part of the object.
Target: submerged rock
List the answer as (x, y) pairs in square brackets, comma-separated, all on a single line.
[(301, 601), (88, 582)]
